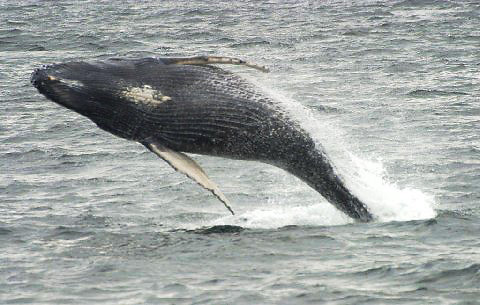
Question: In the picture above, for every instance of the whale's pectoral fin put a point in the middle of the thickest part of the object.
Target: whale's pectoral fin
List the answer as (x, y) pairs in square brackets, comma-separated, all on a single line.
[(186, 165), (209, 60)]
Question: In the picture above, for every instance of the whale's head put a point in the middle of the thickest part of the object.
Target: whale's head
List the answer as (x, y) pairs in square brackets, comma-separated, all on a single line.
[(102, 91), (71, 86)]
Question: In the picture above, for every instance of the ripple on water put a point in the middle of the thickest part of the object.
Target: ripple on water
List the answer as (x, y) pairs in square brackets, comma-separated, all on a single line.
[(434, 93), (468, 276)]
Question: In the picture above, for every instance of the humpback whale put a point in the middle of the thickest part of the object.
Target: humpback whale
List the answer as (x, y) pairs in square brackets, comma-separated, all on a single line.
[(176, 106)]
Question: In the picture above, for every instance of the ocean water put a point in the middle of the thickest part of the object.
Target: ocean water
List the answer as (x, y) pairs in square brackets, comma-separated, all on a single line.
[(391, 89)]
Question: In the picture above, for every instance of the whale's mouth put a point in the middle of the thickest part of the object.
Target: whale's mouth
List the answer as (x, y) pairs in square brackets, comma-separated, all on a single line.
[(42, 78)]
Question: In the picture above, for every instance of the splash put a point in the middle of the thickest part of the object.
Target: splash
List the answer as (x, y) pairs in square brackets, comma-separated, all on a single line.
[(367, 179), (281, 215), (385, 199)]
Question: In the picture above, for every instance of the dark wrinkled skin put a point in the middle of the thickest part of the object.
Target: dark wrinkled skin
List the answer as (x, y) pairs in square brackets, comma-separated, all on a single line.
[(208, 111)]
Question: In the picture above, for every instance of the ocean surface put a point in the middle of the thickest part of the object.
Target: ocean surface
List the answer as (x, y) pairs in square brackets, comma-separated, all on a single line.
[(391, 89)]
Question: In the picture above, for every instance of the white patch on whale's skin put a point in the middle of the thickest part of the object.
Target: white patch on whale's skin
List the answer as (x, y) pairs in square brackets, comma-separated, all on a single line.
[(72, 82), (66, 81), (145, 95)]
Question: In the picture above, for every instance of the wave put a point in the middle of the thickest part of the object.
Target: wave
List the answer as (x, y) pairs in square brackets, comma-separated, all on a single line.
[(429, 93)]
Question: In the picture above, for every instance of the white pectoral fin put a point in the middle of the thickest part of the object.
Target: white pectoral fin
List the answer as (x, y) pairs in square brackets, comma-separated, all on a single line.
[(186, 165)]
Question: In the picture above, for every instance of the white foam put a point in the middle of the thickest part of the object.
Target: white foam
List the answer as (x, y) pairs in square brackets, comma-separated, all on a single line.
[(367, 179), (385, 199), (281, 215)]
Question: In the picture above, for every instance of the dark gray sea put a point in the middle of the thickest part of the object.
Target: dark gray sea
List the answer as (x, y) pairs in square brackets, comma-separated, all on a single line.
[(391, 89)]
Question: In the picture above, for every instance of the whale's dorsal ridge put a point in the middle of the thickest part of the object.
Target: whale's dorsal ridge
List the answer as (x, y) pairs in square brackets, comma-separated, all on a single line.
[(186, 165), (211, 60)]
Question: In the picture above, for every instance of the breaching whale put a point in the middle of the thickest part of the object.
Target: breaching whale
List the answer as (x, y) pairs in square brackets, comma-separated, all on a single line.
[(175, 106)]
